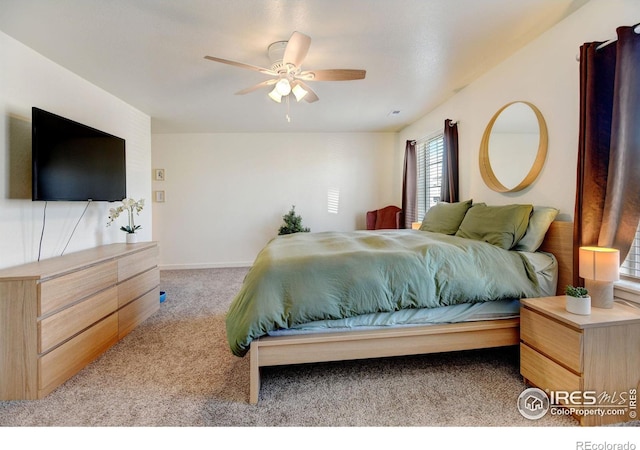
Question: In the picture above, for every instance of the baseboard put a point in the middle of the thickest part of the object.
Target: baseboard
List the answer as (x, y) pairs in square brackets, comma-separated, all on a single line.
[(226, 265)]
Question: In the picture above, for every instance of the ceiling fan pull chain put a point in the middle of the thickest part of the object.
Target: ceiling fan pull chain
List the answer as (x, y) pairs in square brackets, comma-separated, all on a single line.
[(287, 116)]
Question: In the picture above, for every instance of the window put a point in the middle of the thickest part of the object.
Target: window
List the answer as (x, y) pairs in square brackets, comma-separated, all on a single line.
[(429, 155), (631, 266)]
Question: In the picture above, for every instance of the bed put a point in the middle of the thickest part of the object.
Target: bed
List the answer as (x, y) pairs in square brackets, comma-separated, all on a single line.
[(294, 308)]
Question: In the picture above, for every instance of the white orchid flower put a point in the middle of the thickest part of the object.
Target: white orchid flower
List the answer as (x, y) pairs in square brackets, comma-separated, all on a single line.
[(130, 205)]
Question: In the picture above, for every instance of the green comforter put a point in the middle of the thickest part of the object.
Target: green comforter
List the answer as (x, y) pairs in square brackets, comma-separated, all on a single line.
[(303, 277)]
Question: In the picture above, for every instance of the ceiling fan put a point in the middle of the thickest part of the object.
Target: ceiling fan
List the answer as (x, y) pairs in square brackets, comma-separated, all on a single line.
[(288, 78)]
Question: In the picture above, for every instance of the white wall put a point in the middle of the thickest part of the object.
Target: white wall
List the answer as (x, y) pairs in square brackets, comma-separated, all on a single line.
[(226, 193), (545, 73), (28, 79)]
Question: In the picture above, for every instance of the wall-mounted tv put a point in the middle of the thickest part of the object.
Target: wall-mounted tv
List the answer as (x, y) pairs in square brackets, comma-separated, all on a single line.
[(74, 162)]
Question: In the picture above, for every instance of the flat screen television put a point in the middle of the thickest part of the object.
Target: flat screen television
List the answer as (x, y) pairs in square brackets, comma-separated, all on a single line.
[(74, 162)]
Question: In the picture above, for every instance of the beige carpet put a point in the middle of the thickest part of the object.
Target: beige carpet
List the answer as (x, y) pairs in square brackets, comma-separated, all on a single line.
[(176, 370)]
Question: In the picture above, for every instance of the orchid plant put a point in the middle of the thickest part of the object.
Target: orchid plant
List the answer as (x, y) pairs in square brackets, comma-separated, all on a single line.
[(130, 206)]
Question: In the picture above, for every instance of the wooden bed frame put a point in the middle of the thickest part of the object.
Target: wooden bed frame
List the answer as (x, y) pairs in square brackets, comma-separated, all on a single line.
[(350, 345)]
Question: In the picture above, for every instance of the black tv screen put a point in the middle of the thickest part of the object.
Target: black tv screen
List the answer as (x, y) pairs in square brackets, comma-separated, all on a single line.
[(74, 162)]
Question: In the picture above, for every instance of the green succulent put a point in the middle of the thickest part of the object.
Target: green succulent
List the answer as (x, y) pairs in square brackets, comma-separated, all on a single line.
[(579, 292)]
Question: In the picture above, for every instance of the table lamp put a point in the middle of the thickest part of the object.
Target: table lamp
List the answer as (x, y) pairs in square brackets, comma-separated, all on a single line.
[(599, 266)]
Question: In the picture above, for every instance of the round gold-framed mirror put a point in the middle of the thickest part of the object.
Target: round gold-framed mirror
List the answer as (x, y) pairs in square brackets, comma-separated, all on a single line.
[(513, 147)]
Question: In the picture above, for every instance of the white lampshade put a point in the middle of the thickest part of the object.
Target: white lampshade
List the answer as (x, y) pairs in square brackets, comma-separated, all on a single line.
[(299, 92), (599, 263), (275, 95), (283, 87)]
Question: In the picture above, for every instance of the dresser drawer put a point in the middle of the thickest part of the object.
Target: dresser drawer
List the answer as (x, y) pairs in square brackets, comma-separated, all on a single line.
[(544, 373), (136, 312), (65, 361), (136, 263), (59, 292), (58, 327), (551, 338), (137, 286)]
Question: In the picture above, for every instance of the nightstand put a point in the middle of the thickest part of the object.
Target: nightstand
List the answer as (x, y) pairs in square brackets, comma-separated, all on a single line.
[(596, 356)]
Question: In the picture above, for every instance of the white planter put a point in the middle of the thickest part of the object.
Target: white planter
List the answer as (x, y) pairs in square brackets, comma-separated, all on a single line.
[(578, 305), (132, 238)]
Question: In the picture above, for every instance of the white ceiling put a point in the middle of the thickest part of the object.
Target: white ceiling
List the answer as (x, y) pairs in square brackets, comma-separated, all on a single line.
[(150, 53)]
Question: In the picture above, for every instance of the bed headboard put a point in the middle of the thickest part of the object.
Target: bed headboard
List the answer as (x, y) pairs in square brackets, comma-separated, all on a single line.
[(559, 242)]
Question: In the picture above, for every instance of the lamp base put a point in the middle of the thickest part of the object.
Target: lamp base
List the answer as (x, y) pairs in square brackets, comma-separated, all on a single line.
[(601, 293)]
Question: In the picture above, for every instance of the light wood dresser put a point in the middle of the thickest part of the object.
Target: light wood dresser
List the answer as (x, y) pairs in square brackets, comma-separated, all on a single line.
[(595, 356), (59, 314)]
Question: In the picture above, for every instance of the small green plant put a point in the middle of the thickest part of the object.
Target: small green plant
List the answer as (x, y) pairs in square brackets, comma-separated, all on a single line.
[(292, 223), (579, 292)]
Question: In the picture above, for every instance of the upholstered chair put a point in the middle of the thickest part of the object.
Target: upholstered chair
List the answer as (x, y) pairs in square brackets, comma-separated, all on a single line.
[(388, 217)]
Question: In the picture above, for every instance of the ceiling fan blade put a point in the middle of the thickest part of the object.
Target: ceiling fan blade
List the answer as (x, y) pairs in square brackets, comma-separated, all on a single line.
[(296, 49), (333, 75), (257, 86), (242, 65), (310, 96)]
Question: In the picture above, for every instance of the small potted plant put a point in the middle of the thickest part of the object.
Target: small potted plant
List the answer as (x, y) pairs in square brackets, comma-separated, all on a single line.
[(292, 223), (578, 300), (130, 206)]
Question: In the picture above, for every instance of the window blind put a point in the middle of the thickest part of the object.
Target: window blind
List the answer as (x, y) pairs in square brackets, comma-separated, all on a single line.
[(631, 266), (429, 155)]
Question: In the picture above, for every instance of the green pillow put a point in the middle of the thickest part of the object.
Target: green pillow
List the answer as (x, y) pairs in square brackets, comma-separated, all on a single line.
[(502, 226), (539, 223), (445, 217)]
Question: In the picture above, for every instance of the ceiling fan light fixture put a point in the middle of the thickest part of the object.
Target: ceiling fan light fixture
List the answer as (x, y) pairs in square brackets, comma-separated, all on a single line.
[(286, 59), (299, 92), (283, 87), (275, 95)]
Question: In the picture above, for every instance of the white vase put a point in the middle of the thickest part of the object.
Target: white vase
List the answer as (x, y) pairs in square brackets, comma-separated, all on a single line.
[(132, 238), (578, 305)]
